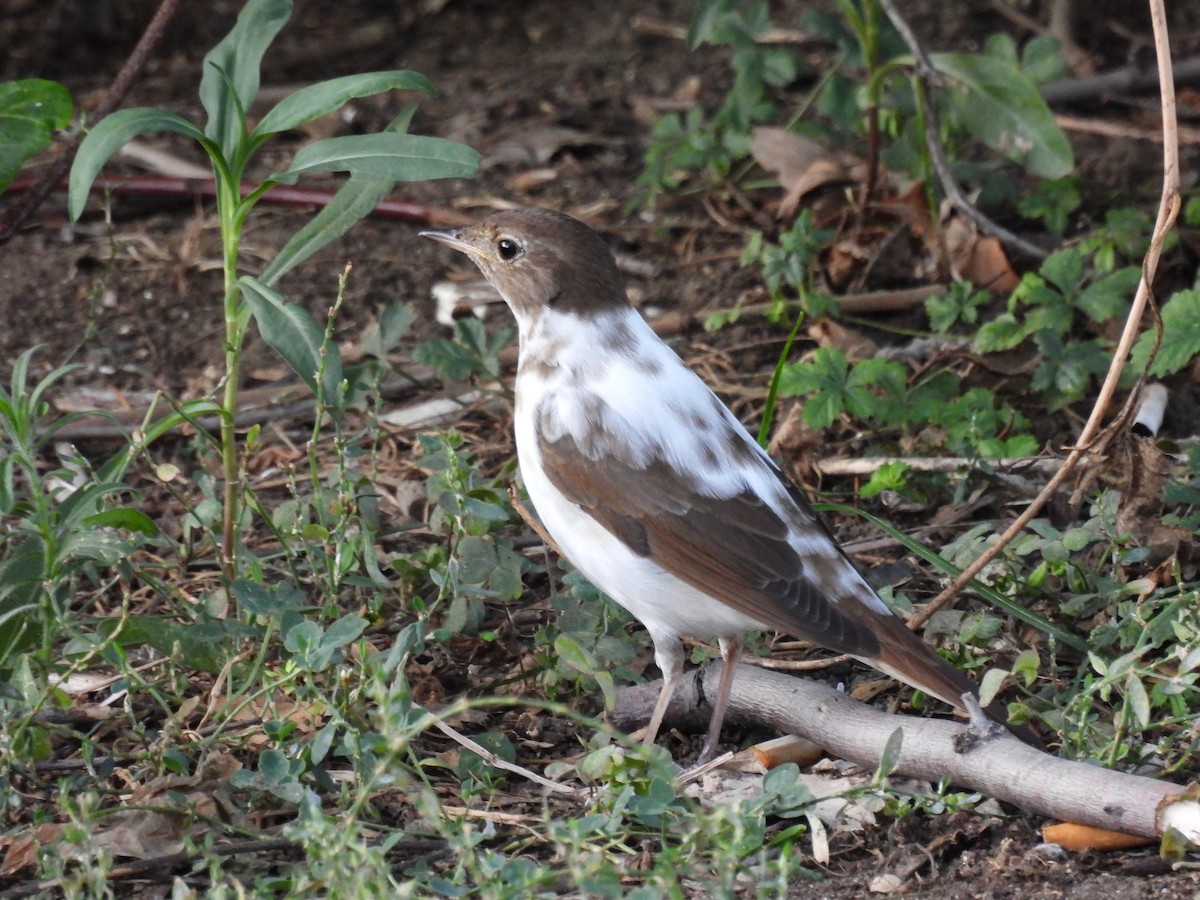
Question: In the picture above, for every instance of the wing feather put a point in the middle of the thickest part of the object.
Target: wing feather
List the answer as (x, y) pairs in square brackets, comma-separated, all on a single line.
[(734, 549)]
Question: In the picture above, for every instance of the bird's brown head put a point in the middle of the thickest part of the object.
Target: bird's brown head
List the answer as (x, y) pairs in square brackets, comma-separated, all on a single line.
[(537, 258)]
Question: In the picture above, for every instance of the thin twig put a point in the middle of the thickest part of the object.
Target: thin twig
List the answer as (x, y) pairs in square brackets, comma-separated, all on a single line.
[(1168, 209), (493, 760), (1133, 77), (927, 75), (116, 93)]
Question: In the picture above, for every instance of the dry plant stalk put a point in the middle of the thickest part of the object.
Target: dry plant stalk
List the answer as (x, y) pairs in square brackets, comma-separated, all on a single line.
[(1168, 209)]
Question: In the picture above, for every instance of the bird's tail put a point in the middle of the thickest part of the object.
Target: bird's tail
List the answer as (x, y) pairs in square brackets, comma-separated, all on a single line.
[(905, 656)]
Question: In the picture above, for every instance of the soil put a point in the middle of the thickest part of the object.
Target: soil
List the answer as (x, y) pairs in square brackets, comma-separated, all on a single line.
[(561, 107)]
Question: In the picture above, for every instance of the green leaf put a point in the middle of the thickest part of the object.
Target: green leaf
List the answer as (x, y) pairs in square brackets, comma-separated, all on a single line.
[(571, 653), (708, 14), (318, 100), (201, 646), (343, 631), (230, 79), (1139, 700), (1042, 59), (31, 110), (990, 685), (1063, 269), (1181, 336), (1002, 333), (354, 201), (8, 493), (296, 336), (1003, 108), (891, 754), (824, 377), (1109, 297), (399, 157), (303, 638), (129, 519), (267, 600), (21, 575), (109, 136)]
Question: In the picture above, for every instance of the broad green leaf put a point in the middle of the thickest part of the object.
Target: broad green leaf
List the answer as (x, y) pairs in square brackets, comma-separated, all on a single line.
[(708, 15), (1001, 47), (1042, 59), (343, 631), (303, 637), (1109, 297), (1003, 108), (234, 64), (31, 110), (1002, 333), (295, 335), (317, 100), (129, 519), (476, 558), (570, 652), (1063, 269), (1139, 700), (203, 645), (267, 600), (824, 378), (354, 201), (398, 157), (274, 765), (21, 575), (1181, 336), (109, 136), (990, 685)]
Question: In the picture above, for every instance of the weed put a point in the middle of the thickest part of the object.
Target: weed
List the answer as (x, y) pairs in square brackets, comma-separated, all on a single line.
[(375, 162), (65, 527), (32, 110)]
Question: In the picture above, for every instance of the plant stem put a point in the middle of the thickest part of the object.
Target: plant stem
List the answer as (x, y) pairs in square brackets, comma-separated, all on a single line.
[(228, 201)]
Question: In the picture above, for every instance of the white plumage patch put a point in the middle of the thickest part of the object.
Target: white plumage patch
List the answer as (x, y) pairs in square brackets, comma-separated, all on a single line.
[(609, 384)]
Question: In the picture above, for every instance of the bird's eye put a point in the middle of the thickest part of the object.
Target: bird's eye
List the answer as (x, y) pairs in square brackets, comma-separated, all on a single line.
[(508, 249)]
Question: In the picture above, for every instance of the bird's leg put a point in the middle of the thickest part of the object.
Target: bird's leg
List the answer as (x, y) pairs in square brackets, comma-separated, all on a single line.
[(731, 649), (668, 655)]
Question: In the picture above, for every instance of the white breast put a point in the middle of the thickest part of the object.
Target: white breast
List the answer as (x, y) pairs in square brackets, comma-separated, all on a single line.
[(652, 412)]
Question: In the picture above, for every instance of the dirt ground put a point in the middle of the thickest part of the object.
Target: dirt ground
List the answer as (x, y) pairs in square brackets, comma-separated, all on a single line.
[(561, 108)]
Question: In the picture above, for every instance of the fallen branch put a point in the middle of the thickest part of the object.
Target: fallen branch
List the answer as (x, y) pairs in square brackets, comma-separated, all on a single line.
[(1001, 767), (1133, 77), (871, 464)]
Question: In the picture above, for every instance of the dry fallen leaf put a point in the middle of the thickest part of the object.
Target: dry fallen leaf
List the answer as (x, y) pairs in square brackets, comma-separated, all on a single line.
[(978, 260), (801, 164), (854, 344)]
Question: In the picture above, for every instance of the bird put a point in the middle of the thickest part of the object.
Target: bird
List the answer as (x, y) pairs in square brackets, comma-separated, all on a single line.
[(652, 488)]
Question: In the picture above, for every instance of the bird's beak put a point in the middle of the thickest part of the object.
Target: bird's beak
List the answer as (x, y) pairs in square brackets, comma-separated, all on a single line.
[(453, 239)]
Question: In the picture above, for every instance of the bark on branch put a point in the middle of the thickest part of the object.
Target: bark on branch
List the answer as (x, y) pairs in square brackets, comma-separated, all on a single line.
[(1002, 767)]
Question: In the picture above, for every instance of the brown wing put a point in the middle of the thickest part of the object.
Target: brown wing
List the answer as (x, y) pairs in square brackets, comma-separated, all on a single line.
[(733, 549), (736, 550)]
